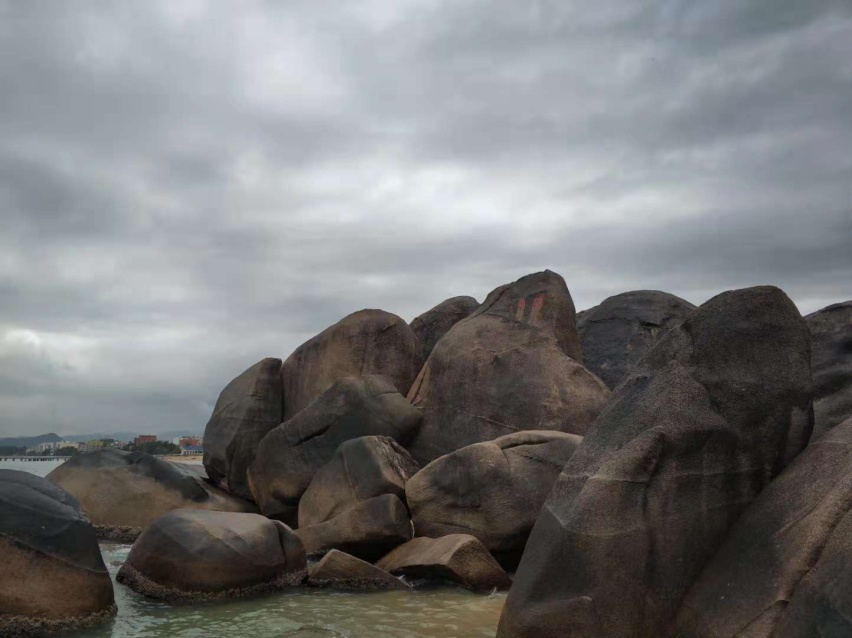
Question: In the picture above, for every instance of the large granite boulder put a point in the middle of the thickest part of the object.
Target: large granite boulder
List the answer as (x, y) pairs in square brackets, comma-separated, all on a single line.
[(831, 365), (52, 576), (342, 571), (122, 492), (360, 469), (616, 334), (492, 490), (247, 409), (822, 604), (459, 558), (203, 555), (369, 529), (514, 364), (788, 552), (363, 343), (289, 456), (434, 324), (716, 409)]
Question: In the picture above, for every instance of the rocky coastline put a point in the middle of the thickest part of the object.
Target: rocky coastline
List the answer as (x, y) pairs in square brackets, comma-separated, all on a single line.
[(650, 468)]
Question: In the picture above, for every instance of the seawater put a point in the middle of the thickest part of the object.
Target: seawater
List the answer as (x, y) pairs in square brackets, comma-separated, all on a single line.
[(439, 612)]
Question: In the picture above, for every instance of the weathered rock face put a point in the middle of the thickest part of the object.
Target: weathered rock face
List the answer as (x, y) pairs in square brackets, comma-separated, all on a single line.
[(616, 334), (247, 409), (786, 552), (831, 365), (122, 492), (514, 364), (368, 530), (192, 555), (822, 604), (343, 571), (434, 324), (492, 490), (363, 343), (53, 576), (711, 414), (360, 469), (289, 456), (460, 558)]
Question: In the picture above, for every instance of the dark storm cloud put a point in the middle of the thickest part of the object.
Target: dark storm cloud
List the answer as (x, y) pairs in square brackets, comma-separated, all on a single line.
[(188, 187)]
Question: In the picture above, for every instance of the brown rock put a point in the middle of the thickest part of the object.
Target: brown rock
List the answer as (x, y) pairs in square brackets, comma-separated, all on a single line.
[(200, 555), (289, 456), (711, 414), (53, 577), (122, 492), (514, 364), (360, 469), (460, 558), (434, 324), (247, 409), (780, 556), (368, 530), (343, 571), (363, 343), (831, 365), (492, 490)]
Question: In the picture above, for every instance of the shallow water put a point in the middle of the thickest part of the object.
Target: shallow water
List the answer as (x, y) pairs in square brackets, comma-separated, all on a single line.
[(39, 468), (441, 612)]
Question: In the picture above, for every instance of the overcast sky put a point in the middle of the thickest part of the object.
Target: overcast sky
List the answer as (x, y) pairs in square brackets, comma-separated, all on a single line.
[(186, 187)]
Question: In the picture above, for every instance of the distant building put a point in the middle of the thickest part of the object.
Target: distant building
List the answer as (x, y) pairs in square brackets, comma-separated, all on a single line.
[(41, 448), (191, 450), (144, 438), (94, 445), (188, 440)]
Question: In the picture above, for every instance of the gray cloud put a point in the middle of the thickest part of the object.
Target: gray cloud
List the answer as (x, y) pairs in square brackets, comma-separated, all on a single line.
[(188, 187)]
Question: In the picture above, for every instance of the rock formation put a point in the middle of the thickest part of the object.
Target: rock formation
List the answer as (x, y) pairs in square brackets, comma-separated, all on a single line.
[(716, 409), (289, 456), (343, 571), (616, 334), (459, 558), (492, 490), (369, 529), (784, 568), (52, 577), (363, 343), (514, 364), (360, 469), (122, 492), (247, 409), (202, 555), (831, 365), (434, 324)]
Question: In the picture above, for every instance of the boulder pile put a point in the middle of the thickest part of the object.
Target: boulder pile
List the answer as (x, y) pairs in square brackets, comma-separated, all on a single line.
[(650, 468), (715, 410)]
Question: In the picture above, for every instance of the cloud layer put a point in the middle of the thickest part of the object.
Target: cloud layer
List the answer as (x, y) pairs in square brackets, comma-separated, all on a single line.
[(188, 187)]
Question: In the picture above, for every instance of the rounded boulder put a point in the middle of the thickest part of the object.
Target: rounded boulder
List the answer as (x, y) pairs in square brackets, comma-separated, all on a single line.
[(122, 492), (200, 555), (53, 576)]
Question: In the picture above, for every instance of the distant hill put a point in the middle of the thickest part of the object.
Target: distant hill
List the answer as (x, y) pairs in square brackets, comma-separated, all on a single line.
[(29, 441)]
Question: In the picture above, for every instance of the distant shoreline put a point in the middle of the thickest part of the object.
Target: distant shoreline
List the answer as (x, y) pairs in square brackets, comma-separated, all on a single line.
[(177, 458)]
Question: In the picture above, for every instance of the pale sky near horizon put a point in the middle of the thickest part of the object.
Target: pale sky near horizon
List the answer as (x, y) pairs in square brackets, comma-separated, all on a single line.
[(187, 187)]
